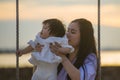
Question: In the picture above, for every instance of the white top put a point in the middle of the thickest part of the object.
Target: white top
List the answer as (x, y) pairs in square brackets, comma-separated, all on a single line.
[(46, 55)]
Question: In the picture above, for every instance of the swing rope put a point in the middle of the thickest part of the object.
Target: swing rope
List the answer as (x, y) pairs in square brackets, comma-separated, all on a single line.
[(99, 48), (17, 39)]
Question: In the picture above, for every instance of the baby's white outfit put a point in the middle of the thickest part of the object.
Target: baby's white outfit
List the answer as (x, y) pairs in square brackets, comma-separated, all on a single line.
[(46, 61)]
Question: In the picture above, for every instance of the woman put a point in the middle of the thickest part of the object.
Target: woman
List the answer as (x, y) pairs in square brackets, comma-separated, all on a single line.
[(82, 63)]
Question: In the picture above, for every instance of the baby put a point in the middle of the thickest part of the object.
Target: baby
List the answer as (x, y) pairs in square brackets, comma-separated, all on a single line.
[(47, 62)]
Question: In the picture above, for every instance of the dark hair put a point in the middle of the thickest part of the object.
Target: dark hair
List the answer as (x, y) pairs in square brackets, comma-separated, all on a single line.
[(87, 42), (56, 27)]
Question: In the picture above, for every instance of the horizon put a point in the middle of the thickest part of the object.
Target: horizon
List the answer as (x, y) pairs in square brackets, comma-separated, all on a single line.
[(32, 13)]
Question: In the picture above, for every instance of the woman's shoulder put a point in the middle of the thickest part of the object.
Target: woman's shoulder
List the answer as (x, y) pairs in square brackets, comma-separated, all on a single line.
[(91, 58), (90, 66), (92, 55)]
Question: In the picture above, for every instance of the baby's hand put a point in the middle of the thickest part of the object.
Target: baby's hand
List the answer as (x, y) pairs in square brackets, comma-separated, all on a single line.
[(19, 53)]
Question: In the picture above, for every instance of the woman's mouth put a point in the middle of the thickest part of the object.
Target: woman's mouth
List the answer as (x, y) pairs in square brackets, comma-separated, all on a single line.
[(69, 40)]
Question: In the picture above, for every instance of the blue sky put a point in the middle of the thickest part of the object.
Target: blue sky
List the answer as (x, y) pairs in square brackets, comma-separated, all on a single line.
[(33, 12)]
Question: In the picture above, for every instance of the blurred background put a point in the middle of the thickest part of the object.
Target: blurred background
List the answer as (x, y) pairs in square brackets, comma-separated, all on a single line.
[(33, 12)]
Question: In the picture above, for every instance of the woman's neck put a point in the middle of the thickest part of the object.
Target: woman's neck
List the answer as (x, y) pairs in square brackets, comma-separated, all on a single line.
[(73, 55)]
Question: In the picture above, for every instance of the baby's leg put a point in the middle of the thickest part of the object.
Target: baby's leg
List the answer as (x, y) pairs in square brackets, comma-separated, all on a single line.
[(52, 70)]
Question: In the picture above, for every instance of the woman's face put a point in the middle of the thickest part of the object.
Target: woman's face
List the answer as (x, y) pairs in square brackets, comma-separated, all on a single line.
[(45, 31), (73, 34)]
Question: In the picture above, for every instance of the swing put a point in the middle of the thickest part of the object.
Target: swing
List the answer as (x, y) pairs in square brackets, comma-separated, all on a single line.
[(17, 41), (99, 47)]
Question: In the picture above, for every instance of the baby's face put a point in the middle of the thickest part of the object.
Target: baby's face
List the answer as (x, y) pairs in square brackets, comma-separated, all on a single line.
[(45, 31)]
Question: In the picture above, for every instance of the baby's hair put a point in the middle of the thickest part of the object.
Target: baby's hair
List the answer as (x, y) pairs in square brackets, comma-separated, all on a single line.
[(56, 27)]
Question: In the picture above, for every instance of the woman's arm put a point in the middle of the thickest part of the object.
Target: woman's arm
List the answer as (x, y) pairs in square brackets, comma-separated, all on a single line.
[(73, 72), (90, 68)]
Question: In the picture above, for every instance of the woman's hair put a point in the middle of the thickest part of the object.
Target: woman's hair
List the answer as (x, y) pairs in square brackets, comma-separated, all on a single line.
[(87, 42), (56, 27)]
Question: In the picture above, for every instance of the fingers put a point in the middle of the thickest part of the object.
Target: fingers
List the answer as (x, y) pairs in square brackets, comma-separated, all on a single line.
[(19, 53), (39, 47), (51, 46), (54, 48), (57, 44)]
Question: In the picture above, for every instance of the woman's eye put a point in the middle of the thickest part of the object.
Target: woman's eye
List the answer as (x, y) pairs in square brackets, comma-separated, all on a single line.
[(73, 32)]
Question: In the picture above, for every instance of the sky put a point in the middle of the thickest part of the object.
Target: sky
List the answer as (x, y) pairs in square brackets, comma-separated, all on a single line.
[(33, 12)]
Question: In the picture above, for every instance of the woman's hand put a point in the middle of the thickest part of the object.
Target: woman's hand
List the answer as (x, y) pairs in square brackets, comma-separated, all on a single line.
[(55, 48), (38, 47)]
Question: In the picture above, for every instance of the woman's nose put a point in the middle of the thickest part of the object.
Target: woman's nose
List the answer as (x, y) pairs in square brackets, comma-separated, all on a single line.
[(68, 34)]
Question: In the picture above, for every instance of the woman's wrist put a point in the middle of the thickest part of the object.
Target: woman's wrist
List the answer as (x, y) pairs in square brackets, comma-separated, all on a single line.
[(64, 59)]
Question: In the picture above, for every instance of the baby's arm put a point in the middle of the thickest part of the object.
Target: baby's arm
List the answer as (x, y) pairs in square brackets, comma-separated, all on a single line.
[(29, 48), (25, 50), (65, 47), (65, 50)]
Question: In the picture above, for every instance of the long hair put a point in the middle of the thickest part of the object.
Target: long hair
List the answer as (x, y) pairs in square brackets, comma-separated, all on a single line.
[(87, 43)]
